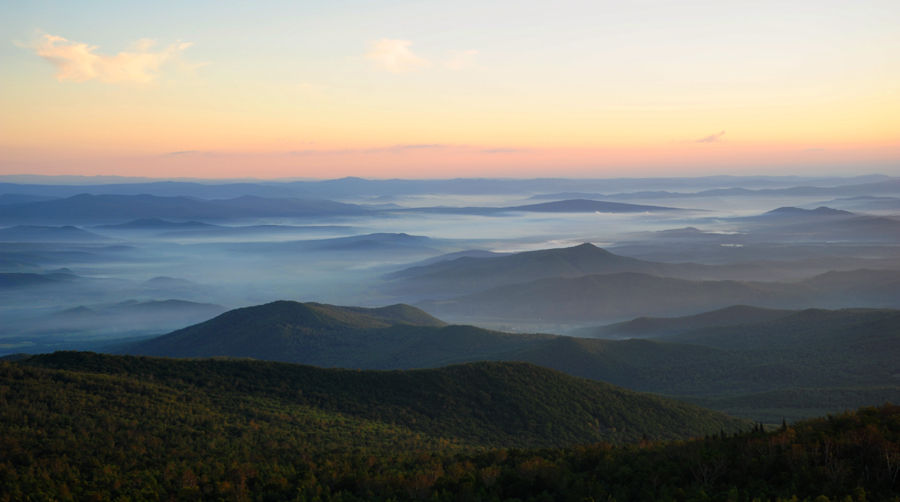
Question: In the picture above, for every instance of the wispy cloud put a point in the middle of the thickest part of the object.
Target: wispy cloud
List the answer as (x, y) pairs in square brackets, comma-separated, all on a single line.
[(460, 60), (386, 149), (79, 62), (184, 152), (713, 138), (503, 150), (395, 56), (405, 148)]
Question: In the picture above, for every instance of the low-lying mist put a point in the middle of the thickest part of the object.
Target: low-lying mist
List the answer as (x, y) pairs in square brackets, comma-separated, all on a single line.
[(72, 283)]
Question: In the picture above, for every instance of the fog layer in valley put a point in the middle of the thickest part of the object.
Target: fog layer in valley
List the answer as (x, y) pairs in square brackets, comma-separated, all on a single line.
[(84, 266)]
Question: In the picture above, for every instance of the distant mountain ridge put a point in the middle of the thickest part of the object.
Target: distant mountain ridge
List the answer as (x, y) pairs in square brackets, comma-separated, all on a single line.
[(18, 279), (102, 321), (115, 208), (28, 233), (156, 224), (468, 274), (478, 404), (397, 336), (819, 211), (653, 327), (631, 294), (355, 187), (445, 279), (562, 206), (806, 349)]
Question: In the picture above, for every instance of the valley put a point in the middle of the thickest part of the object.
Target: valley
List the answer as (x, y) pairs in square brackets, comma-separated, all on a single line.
[(446, 319)]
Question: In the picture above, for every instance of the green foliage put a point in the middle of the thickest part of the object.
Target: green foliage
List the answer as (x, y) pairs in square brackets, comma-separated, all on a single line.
[(499, 404), (716, 366), (394, 337), (651, 327), (797, 403), (122, 428)]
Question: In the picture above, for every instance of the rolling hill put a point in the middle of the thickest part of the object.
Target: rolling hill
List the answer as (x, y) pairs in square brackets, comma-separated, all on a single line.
[(623, 295), (589, 206), (562, 206), (472, 272), (156, 224), (25, 233), (813, 349), (24, 280), (613, 297), (398, 336), (87, 208), (85, 426), (652, 327), (51, 327), (469, 274), (479, 404)]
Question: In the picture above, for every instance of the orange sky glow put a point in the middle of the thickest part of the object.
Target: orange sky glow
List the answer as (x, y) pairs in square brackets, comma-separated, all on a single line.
[(579, 90)]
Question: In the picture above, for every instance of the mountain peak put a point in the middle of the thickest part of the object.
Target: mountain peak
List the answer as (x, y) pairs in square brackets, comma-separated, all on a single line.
[(819, 211), (282, 330)]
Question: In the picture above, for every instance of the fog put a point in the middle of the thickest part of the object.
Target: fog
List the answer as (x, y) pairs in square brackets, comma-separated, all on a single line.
[(343, 257)]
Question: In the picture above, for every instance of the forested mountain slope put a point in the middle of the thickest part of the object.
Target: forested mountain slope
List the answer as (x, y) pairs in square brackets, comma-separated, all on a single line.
[(652, 327), (812, 351), (479, 404), (393, 337), (143, 428)]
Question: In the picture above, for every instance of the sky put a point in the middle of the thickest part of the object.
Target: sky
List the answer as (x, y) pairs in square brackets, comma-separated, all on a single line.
[(441, 89)]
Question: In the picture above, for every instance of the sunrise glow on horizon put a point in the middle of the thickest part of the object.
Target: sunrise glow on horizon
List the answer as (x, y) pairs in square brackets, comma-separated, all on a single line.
[(449, 89)]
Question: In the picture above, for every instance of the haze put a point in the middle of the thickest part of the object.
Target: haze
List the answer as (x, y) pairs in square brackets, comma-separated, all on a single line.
[(524, 167)]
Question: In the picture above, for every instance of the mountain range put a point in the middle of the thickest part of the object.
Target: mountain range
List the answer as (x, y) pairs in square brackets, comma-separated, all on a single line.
[(25, 233), (472, 272), (562, 206), (479, 404), (85, 208), (358, 187), (812, 349), (628, 294), (654, 327)]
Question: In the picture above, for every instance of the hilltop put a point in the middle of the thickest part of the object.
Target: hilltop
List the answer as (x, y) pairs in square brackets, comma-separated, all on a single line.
[(819, 349), (116, 208), (81, 425), (612, 297), (651, 327), (468, 274), (398, 336), (478, 404), (26, 233), (476, 271)]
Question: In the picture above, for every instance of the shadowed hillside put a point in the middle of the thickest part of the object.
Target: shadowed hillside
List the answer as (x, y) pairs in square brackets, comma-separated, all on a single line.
[(398, 336), (818, 349), (83, 426), (617, 296), (479, 404), (468, 274), (650, 327)]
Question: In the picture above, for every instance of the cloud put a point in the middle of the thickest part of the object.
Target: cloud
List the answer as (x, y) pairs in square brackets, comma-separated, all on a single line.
[(79, 62), (184, 152), (503, 150), (388, 149), (460, 60), (713, 138), (405, 148), (395, 56)]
